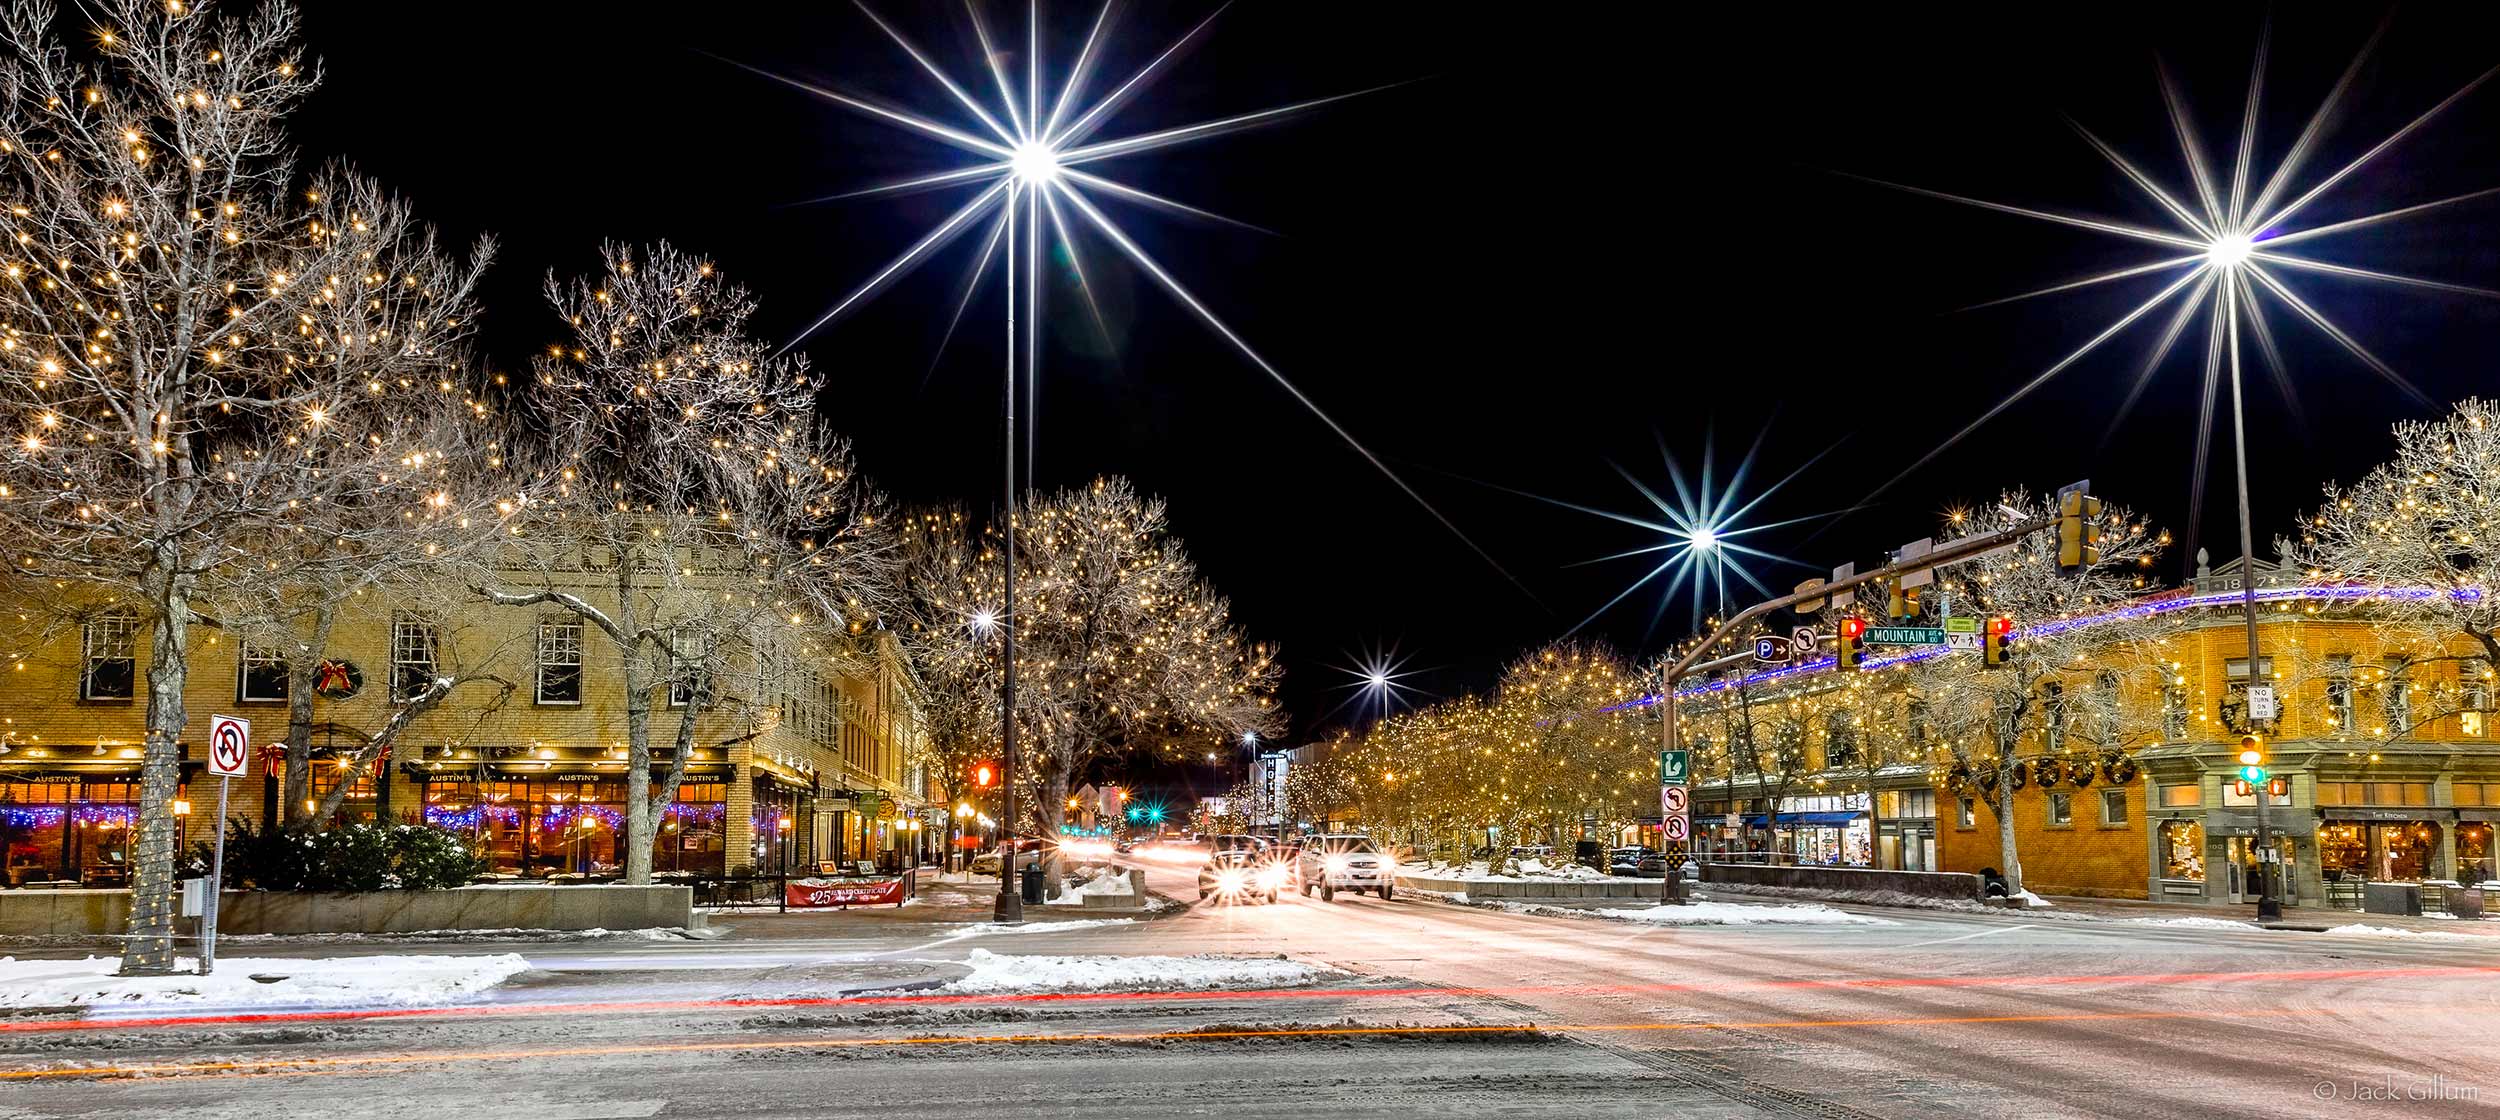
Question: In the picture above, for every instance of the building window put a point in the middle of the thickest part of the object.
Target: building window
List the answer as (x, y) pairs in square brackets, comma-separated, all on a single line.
[(1840, 740), (689, 679), (2174, 711), (2473, 695), (2339, 683), (2183, 850), (263, 675), (413, 643), (111, 658), (2235, 693), (2113, 807), (2182, 796), (560, 661), (2105, 709), (2061, 810), (2474, 793), (2396, 698), (1965, 813)]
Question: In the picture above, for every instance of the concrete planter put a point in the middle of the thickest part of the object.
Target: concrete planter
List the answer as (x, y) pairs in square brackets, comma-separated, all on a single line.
[(1956, 885), (64, 913), (1556, 891)]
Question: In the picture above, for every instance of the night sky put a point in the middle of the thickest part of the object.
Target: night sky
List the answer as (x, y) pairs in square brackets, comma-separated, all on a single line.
[(1570, 238)]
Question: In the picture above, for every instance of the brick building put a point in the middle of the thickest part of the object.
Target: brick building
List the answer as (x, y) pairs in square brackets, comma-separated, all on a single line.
[(810, 757)]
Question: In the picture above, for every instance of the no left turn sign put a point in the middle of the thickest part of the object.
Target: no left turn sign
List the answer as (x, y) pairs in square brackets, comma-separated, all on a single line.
[(229, 746)]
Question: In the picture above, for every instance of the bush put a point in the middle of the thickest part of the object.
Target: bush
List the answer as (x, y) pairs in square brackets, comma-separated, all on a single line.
[(355, 857)]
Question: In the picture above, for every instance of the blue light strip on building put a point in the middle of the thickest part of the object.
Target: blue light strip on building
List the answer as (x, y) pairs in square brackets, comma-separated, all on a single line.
[(2145, 608)]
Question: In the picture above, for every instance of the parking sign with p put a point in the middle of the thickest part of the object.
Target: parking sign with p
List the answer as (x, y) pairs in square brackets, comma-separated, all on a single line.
[(229, 746)]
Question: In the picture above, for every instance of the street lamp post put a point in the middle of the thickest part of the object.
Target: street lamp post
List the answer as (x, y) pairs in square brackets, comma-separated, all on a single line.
[(2269, 898), (1010, 904)]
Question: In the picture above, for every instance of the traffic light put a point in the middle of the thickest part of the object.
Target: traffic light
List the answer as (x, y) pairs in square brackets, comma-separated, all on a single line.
[(984, 777), (2252, 760), (1851, 642), (1993, 642), (1902, 604), (2078, 530)]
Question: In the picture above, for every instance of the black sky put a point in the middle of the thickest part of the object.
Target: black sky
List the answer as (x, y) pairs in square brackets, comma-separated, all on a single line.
[(1572, 236)]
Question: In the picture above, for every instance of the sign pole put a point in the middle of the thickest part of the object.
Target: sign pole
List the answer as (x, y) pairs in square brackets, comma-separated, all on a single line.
[(216, 882)]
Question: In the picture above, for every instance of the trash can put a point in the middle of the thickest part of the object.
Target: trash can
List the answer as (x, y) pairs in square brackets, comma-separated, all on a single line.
[(1032, 886)]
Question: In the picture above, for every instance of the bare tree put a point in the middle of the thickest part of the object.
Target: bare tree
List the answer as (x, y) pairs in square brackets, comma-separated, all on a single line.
[(696, 519), (164, 277), (1981, 713), (2416, 537)]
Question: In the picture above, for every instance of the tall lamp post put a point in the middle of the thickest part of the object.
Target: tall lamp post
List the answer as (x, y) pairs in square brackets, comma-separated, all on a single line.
[(1010, 904), (2226, 254)]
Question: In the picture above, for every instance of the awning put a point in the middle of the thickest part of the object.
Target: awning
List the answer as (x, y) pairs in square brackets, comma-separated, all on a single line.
[(1786, 820)]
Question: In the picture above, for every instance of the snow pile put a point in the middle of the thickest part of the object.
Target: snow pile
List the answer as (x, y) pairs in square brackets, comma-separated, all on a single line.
[(338, 982), (984, 929), (1108, 883), (992, 972), (2391, 931), (1858, 898), (2193, 923), (1712, 914), (2035, 901), (1537, 869)]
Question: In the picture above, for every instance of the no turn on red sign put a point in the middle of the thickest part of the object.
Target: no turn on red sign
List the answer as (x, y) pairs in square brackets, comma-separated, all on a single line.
[(229, 746)]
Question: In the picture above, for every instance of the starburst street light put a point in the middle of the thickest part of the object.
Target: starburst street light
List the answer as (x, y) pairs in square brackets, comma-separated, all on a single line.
[(2229, 258), (1378, 683), (1038, 170)]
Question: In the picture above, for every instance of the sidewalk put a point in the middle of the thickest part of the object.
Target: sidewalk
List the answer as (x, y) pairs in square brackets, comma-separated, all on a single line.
[(2310, 918)]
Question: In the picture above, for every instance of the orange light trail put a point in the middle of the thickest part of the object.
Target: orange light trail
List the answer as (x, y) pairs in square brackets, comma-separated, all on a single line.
[(347, 1064), (1510, 991)]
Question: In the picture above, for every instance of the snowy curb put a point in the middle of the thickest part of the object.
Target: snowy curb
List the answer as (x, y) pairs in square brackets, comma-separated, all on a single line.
[(1705, 914), (257, 982), (996, 972)]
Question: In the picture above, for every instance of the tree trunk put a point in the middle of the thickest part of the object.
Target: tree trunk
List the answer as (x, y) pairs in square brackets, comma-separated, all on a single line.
[(150, 947), (303, 665), (2005, 826), (638, 816), (1875, 825), (1054, 815), (638, 860)]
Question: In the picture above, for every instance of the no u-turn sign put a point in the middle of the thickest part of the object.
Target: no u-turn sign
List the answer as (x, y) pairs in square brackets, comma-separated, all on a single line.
[(229, 746)]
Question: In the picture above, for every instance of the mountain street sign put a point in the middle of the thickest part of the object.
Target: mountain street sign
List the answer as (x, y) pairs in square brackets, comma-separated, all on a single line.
[(1905, 635)]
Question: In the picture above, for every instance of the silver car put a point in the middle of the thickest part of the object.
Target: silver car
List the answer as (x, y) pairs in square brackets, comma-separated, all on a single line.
[(1346, 863)]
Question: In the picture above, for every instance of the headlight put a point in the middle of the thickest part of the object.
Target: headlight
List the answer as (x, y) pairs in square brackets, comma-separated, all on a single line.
[(1271, 877), (1335, 865), (1229, 879)]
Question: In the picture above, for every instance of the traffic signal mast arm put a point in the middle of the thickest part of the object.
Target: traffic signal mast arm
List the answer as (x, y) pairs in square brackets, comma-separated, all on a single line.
[(1954, 552)]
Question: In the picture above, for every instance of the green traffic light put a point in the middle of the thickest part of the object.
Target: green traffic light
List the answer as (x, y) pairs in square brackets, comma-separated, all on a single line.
[(2253, 775)]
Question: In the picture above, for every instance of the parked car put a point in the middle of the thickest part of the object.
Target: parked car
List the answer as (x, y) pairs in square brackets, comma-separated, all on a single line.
[(1288, 855), (1028, 852), (1538, 852), (1238, 869), (1347, 863), (1625, 861)]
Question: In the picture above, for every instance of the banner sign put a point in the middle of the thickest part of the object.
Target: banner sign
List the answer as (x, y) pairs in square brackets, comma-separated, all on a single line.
[(843, 892)]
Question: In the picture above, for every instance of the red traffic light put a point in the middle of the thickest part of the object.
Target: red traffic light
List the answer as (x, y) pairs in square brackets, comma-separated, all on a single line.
[(1853, 627), (983, 776), (2001, 626)]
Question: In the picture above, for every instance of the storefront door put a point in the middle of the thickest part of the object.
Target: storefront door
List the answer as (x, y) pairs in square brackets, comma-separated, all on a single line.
[(2244, 880)]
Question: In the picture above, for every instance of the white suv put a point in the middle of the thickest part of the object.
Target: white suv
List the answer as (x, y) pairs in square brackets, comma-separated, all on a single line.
[(1346, 863)]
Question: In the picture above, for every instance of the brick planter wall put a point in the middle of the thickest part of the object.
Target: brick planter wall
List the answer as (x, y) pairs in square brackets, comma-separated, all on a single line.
[(83, 912)]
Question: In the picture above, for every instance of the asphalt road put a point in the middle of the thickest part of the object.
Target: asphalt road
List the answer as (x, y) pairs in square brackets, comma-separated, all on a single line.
[(1444, 1010)]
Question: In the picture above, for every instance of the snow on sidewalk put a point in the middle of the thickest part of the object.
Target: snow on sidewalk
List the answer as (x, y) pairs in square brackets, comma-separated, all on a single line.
[(1709, 914), (339, 982), (994, 972), (1111, 882)]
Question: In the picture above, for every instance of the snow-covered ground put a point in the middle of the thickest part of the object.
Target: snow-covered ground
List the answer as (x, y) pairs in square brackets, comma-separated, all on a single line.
[(993, 972), (347, 981), (1530, 871), (2365, 930), (1709, 914)]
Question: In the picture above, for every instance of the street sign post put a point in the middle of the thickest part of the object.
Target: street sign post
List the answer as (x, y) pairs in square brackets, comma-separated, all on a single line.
[(1771, 649), (2261, 703), (1961, 633), (1677, 830), (1905, 635), (1909, 553), (1674, 800), (1674, 767), (229, 756), (1801, 642)]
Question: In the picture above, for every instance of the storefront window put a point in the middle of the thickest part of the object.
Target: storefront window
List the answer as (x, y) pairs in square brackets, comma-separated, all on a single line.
[(2403, 851), (544, 826), (2183, 850), (2474, 863), (2343, 852), (68, 830)]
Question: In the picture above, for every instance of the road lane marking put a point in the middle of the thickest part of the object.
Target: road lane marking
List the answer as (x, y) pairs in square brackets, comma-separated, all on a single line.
[(1964, 937), (296, 1067)]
